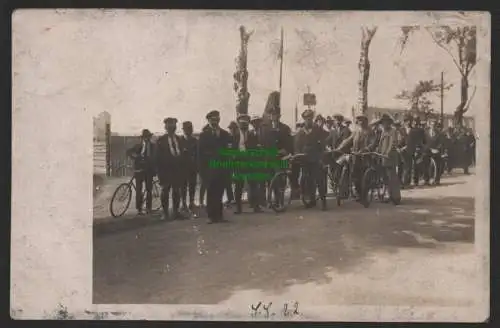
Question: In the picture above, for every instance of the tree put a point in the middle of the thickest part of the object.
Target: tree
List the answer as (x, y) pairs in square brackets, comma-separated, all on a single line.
[(417, 97), (460, 40), (367, 35), (241, 74)]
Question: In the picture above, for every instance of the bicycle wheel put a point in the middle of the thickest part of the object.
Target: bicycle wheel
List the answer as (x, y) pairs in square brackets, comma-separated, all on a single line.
[(156, 193), (343, 186), (368, 186), (280, 193), (433, 172), (121, 200), (305, 191)]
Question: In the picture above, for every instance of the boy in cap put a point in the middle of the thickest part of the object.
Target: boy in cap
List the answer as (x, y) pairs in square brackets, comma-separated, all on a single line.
[(143, 155), (310, 141), (361, 140), (212, 140), (170, 163), (191, 165)]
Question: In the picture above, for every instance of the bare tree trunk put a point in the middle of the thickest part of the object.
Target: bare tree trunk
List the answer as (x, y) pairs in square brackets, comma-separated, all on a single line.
[(464, 97), (364, 69), (241, 74)]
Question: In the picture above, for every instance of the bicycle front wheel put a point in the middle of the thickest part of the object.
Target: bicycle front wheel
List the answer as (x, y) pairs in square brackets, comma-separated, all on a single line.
[(280, 193), (156, 195), (368, 185), (433, 172), (121, 200)]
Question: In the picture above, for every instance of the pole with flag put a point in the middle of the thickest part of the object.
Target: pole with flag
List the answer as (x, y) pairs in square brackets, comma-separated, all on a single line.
[(280, 56)]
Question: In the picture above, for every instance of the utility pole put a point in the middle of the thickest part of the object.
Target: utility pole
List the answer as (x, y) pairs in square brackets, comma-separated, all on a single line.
[(442, 100)]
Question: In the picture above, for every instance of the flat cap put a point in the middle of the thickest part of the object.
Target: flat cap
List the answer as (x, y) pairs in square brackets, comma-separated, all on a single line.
[(386, 117), (146, 133), (348, 121), (212, 114), (308, 113), (329, 119), (243, 117), (256, 118), (187, 124), (338, 117), (170, 120), (320, 118)]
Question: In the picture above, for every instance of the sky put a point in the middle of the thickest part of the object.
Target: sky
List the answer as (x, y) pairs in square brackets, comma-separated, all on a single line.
[(143, 66)]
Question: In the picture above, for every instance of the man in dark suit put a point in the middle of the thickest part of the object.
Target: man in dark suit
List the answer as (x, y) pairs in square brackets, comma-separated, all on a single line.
[(190, 153), (415, 142), (233, 130), (256, 123), (211, 142), (144, 169), (170, 163), (243, 141), (310, 141), (435, 140), (203, 169)]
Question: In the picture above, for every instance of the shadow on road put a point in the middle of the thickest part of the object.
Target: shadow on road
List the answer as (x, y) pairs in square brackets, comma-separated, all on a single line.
[(206, 264)]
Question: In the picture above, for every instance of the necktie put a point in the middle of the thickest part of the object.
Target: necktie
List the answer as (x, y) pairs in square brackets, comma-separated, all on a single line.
[(174, 146)]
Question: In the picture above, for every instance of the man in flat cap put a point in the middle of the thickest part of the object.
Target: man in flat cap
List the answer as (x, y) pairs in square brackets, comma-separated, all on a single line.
[(347, 124), (361, 140), (143, 155), (243, 141), (170, 163), (434, 147), (212, 141), (387, 145), (310, 141), (190, 152), (275, 135), (414, 145)]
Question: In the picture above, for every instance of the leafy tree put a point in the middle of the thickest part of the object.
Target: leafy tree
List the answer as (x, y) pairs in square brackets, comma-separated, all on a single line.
[(417, 97), (459, 42)]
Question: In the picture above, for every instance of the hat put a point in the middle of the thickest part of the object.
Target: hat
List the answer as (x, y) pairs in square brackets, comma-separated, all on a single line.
[(232, 125), (348, 121), (361, 117), (212, 114), (243, 117), (146, 133), (320, 118), (338, 117), (329, 119), (187, 124), (256, 118), (386, 117), (308, 113), (168, 120)]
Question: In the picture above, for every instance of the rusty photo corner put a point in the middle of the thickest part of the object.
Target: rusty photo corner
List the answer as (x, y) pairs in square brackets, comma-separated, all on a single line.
[(378, 209)]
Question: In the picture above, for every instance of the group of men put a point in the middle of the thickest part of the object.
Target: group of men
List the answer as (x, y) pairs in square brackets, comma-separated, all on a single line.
[(180, 160)]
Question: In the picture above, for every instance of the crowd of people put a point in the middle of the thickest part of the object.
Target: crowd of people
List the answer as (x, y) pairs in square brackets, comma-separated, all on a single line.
[(179, 161)]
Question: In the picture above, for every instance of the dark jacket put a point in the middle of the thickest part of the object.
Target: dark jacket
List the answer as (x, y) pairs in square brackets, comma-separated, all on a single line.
[(280, 138), (170, 167), (140, 162), (210, 147), (415, 138), (312, 144), (190, 152)]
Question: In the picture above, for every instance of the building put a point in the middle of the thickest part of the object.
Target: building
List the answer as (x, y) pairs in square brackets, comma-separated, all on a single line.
[(100, 126), (398, 114)]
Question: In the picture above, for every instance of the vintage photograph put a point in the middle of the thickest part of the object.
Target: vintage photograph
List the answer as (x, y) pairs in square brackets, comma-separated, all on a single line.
[(276, 164)]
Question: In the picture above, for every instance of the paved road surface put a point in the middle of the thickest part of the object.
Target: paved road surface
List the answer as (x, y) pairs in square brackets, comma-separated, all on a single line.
[(414, 254)]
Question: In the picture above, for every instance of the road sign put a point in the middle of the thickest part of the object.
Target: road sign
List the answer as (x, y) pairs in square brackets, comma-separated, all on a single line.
[(309, 99)]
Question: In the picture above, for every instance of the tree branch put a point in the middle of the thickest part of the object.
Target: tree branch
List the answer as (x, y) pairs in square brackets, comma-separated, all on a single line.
[(446, 49), (466, 107)]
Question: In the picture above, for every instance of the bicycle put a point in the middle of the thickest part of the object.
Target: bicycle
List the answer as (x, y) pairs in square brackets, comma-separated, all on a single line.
[(123, 195), (374, 181), (280, 185)]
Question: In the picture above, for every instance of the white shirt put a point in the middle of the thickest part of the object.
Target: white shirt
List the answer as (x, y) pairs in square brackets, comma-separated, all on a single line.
[(172, 140), (243, 139), (145, 149)]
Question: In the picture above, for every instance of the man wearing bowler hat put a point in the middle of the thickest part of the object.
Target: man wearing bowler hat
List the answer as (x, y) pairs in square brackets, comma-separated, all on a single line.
[(190, 152), (170, 163), (144, 169), (212, 141)]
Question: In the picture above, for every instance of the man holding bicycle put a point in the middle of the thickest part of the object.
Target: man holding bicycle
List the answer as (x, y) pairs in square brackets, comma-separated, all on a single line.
[(361, 140), (144, 169), (387, 144), (434, 148), (310, 141)]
